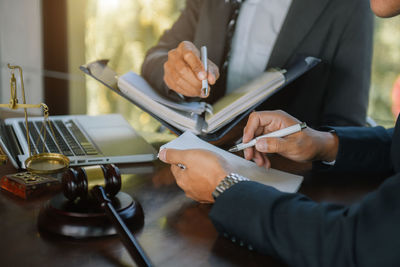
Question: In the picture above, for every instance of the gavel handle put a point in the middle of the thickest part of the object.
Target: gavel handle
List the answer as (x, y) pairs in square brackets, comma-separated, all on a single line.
[(134, 248)]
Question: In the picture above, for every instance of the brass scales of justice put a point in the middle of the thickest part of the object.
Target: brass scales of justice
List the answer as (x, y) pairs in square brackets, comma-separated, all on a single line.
[(42, 162)]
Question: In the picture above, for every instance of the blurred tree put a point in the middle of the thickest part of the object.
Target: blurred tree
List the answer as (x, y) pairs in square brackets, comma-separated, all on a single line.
[(385, 69), (122, 31)]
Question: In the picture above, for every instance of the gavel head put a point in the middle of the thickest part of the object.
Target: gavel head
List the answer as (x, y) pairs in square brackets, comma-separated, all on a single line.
[(79, 182)]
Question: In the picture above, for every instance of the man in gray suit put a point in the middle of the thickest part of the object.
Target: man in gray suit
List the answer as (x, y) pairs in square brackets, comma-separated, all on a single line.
[(336, 31)]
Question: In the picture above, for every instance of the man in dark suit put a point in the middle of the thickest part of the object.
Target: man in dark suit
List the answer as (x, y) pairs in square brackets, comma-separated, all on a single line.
[(290, 226), (336, 93)]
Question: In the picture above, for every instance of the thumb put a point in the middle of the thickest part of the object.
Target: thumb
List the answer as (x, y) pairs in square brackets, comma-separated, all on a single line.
[(172, 156), (271, 145)]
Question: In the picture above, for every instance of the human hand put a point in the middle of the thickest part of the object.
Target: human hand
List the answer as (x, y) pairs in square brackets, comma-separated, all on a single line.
[(304, 146), (204, 171), (184, 71)]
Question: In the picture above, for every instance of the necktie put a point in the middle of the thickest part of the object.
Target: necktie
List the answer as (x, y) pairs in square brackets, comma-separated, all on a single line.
[(220, 86)]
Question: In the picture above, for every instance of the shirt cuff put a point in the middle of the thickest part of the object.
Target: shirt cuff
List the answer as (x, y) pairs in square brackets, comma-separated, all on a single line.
[(330, 163)]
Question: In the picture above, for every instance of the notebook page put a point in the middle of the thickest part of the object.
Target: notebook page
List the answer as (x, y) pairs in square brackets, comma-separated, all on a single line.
[(179, 119), (138, 83), (243, 98), (282, 181)]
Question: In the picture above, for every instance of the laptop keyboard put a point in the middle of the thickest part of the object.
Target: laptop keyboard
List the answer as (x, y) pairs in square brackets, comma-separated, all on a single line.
[(73, 145), (69, 138), (33, 135), (83, 141)]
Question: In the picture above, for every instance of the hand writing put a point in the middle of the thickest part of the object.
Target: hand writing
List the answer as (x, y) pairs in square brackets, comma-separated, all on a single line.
[(184, 71), (303, 146)]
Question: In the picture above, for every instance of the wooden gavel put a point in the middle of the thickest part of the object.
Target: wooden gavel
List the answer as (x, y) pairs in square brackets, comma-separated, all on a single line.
[(80, 182), (103, 182)]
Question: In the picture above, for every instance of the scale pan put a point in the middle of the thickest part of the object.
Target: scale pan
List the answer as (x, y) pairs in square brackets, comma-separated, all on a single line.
[(45, 163)]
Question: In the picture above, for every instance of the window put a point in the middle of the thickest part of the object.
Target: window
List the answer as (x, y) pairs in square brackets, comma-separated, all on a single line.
[(73, 32), (123, 31), (385, 72)]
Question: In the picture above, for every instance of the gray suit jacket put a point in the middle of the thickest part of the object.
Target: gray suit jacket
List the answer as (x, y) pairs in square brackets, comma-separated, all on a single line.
[(337, 31)]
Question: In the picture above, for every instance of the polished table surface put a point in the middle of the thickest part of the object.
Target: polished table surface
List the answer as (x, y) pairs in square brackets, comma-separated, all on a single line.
[(176, 232)]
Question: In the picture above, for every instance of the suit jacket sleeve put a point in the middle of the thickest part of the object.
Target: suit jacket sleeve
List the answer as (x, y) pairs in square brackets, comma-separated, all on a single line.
[(183, 29), (303, 233), (351, 69), (362, 150)]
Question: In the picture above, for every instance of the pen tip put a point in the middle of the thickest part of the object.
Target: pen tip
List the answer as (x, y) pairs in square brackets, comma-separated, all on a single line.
[(232, 149)]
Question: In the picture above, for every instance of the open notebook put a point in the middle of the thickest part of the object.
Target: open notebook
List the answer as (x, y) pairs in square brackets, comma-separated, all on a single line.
[(210, 122), (188, 115), (282, 181)]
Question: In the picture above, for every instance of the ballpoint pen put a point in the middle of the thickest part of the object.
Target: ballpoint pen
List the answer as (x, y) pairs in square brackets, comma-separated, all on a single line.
[(280, 133), (204, 83)]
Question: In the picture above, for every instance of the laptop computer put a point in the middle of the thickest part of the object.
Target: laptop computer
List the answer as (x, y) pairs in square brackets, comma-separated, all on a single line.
[(84, 139)]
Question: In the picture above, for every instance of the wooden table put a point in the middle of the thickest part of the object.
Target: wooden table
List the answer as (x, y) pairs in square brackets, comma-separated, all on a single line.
[(176, 232)]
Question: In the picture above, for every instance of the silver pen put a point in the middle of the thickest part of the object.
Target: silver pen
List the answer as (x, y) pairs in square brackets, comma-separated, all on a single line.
[(280, 133), (204, 83)]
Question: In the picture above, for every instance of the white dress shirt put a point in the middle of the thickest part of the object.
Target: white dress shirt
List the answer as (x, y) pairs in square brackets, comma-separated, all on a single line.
[(257, 29)]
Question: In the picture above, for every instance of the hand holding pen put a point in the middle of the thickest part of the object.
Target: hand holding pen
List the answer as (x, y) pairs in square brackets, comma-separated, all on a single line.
[(186, 73), (279, 133), (287, 138)]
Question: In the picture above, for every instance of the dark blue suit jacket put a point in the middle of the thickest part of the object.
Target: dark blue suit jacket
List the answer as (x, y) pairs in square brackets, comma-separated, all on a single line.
[(305, 233)]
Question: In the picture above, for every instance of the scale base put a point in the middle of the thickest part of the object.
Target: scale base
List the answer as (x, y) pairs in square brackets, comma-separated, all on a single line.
[(85, 219)]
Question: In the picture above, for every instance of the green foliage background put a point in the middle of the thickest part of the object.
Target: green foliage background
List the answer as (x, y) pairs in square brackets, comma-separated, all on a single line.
[(122, 31), (385, 69)]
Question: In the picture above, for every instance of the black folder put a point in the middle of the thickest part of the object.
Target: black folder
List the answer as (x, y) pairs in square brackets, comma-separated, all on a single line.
[(105, 75)]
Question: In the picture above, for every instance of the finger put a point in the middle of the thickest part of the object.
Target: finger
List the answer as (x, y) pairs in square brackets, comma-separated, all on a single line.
[(191, 56), (176, 171), (267, 163), (251, 126), (257, 132), (177, 69), (186, 88), (180, 85), (179, 175), (186, 73), (195, 64), (266, 120), (255, 121), (172, 156), (208, 92), (258, 159), (188, 46), (186, 80), (249, 153), (213, 72), (168, 76), (272, 145), (170, 82)]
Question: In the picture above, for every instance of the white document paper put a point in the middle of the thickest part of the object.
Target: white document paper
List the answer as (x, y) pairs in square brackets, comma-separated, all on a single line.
[(283, 181)]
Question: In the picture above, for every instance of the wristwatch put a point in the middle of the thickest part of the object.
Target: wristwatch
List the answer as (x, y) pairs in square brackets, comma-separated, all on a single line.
[(230, 180)]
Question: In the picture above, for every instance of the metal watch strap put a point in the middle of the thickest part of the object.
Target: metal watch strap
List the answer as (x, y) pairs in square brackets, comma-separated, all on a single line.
[(230, 180)]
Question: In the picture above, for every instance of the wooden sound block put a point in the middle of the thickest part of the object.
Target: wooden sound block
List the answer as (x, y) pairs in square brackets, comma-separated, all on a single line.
[(27, 185), (86, 219)]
